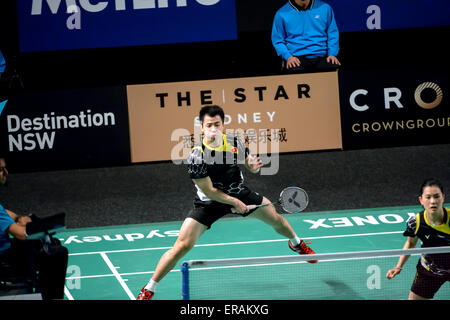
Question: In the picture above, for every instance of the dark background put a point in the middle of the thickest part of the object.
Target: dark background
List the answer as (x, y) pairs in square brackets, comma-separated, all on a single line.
[(151, 192), (252, 54)]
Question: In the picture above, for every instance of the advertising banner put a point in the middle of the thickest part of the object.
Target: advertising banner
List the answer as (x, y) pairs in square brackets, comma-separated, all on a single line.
[(385, 108), (272, 114), (365, 15), (66, 129), (46, 25)]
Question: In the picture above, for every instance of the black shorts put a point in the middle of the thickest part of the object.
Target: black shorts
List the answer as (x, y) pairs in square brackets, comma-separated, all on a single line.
[(208, 212), (426, 283)]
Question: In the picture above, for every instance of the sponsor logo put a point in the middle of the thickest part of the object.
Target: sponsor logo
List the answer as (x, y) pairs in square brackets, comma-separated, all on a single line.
[(432, 104), (25, 134), (394, 108), (339, 222), (270, 114), (130, 237), (75, 24), (393, 95), (119, 5)]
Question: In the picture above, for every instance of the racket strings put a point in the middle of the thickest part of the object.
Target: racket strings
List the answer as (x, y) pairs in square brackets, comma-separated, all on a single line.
[(293, 200)]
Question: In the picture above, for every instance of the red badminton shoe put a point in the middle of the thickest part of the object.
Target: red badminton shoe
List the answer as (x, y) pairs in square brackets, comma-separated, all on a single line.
[(302, 248), (145, 295)]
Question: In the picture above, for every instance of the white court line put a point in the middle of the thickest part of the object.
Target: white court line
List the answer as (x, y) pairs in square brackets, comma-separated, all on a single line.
[(103, 253), (111, 275), (67, 293), (237, 243), (117, 275)]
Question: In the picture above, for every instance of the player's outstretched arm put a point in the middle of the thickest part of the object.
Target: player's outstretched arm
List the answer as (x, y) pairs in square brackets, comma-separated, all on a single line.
[(410, 243)]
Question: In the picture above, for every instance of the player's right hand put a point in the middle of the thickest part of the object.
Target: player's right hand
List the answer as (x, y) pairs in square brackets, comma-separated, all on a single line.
[(23, 220), (240, 207)]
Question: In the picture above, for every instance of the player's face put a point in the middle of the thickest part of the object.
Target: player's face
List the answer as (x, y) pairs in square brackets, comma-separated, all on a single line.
[(212, 127), (302, 3), (432, 199)]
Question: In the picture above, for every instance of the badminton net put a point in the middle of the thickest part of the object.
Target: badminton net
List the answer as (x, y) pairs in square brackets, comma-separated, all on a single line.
[(342, 276)]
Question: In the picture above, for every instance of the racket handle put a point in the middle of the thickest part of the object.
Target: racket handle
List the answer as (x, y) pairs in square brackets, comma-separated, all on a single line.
[(250, 207)]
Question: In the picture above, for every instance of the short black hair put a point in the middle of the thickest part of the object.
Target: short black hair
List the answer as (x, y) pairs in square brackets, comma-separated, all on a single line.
[(430, 182), (212, 111)]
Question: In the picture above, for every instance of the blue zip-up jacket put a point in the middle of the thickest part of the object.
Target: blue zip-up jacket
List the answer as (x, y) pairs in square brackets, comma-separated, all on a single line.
[(5, 222), (312, 33)]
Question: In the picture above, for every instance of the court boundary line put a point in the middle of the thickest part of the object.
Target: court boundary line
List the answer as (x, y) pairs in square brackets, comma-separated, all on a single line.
[(236, 243), (117, 276), (68, 294)]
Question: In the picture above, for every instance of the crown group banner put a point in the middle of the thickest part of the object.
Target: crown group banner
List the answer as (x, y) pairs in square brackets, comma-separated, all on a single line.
[(391, 108), (344, 110)]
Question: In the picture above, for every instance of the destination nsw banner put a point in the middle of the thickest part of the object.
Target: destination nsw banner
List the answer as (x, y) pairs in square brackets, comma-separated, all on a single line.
[(65, 129)]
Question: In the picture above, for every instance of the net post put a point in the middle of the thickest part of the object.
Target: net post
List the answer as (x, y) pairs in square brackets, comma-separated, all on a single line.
[(185, 281)]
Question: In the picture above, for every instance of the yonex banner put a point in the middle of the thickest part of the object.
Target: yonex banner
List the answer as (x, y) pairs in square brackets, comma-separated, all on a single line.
[(74, 24), (66, 129), (385, 108), (273, 114)]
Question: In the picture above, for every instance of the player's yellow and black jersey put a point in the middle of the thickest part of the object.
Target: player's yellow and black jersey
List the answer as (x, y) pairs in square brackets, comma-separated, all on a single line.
[(219, 164), (431, 236)]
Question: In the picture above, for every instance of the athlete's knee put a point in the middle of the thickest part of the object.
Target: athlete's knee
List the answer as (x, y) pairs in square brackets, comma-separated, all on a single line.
[(280, 222), (181, 247), (276, 221)]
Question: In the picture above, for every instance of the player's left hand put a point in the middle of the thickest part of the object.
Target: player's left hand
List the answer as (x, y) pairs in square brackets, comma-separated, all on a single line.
[(254, 163), (393, 272)]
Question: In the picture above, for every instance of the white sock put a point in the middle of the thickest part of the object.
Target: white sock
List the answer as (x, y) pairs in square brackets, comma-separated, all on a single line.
[(151, 286), (295, 241)]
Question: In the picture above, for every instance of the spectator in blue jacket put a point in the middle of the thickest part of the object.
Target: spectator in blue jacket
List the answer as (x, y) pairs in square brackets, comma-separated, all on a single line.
[(42, 264), (2, 64), (306, 36)]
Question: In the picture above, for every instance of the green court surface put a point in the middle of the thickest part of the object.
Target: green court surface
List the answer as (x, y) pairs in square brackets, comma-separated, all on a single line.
[(114, 263)]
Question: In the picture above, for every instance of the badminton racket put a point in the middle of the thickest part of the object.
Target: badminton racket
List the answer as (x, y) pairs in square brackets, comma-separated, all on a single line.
[(291, 200)]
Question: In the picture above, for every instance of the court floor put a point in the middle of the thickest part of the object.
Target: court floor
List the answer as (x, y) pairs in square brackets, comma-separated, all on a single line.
[(114, 263)]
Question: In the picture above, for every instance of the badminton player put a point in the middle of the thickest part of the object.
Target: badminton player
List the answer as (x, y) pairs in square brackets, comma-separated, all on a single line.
[(213, 167), (432, 227)]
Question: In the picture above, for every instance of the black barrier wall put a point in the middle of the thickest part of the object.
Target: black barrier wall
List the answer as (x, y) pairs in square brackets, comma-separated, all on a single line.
[(251, 54)]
